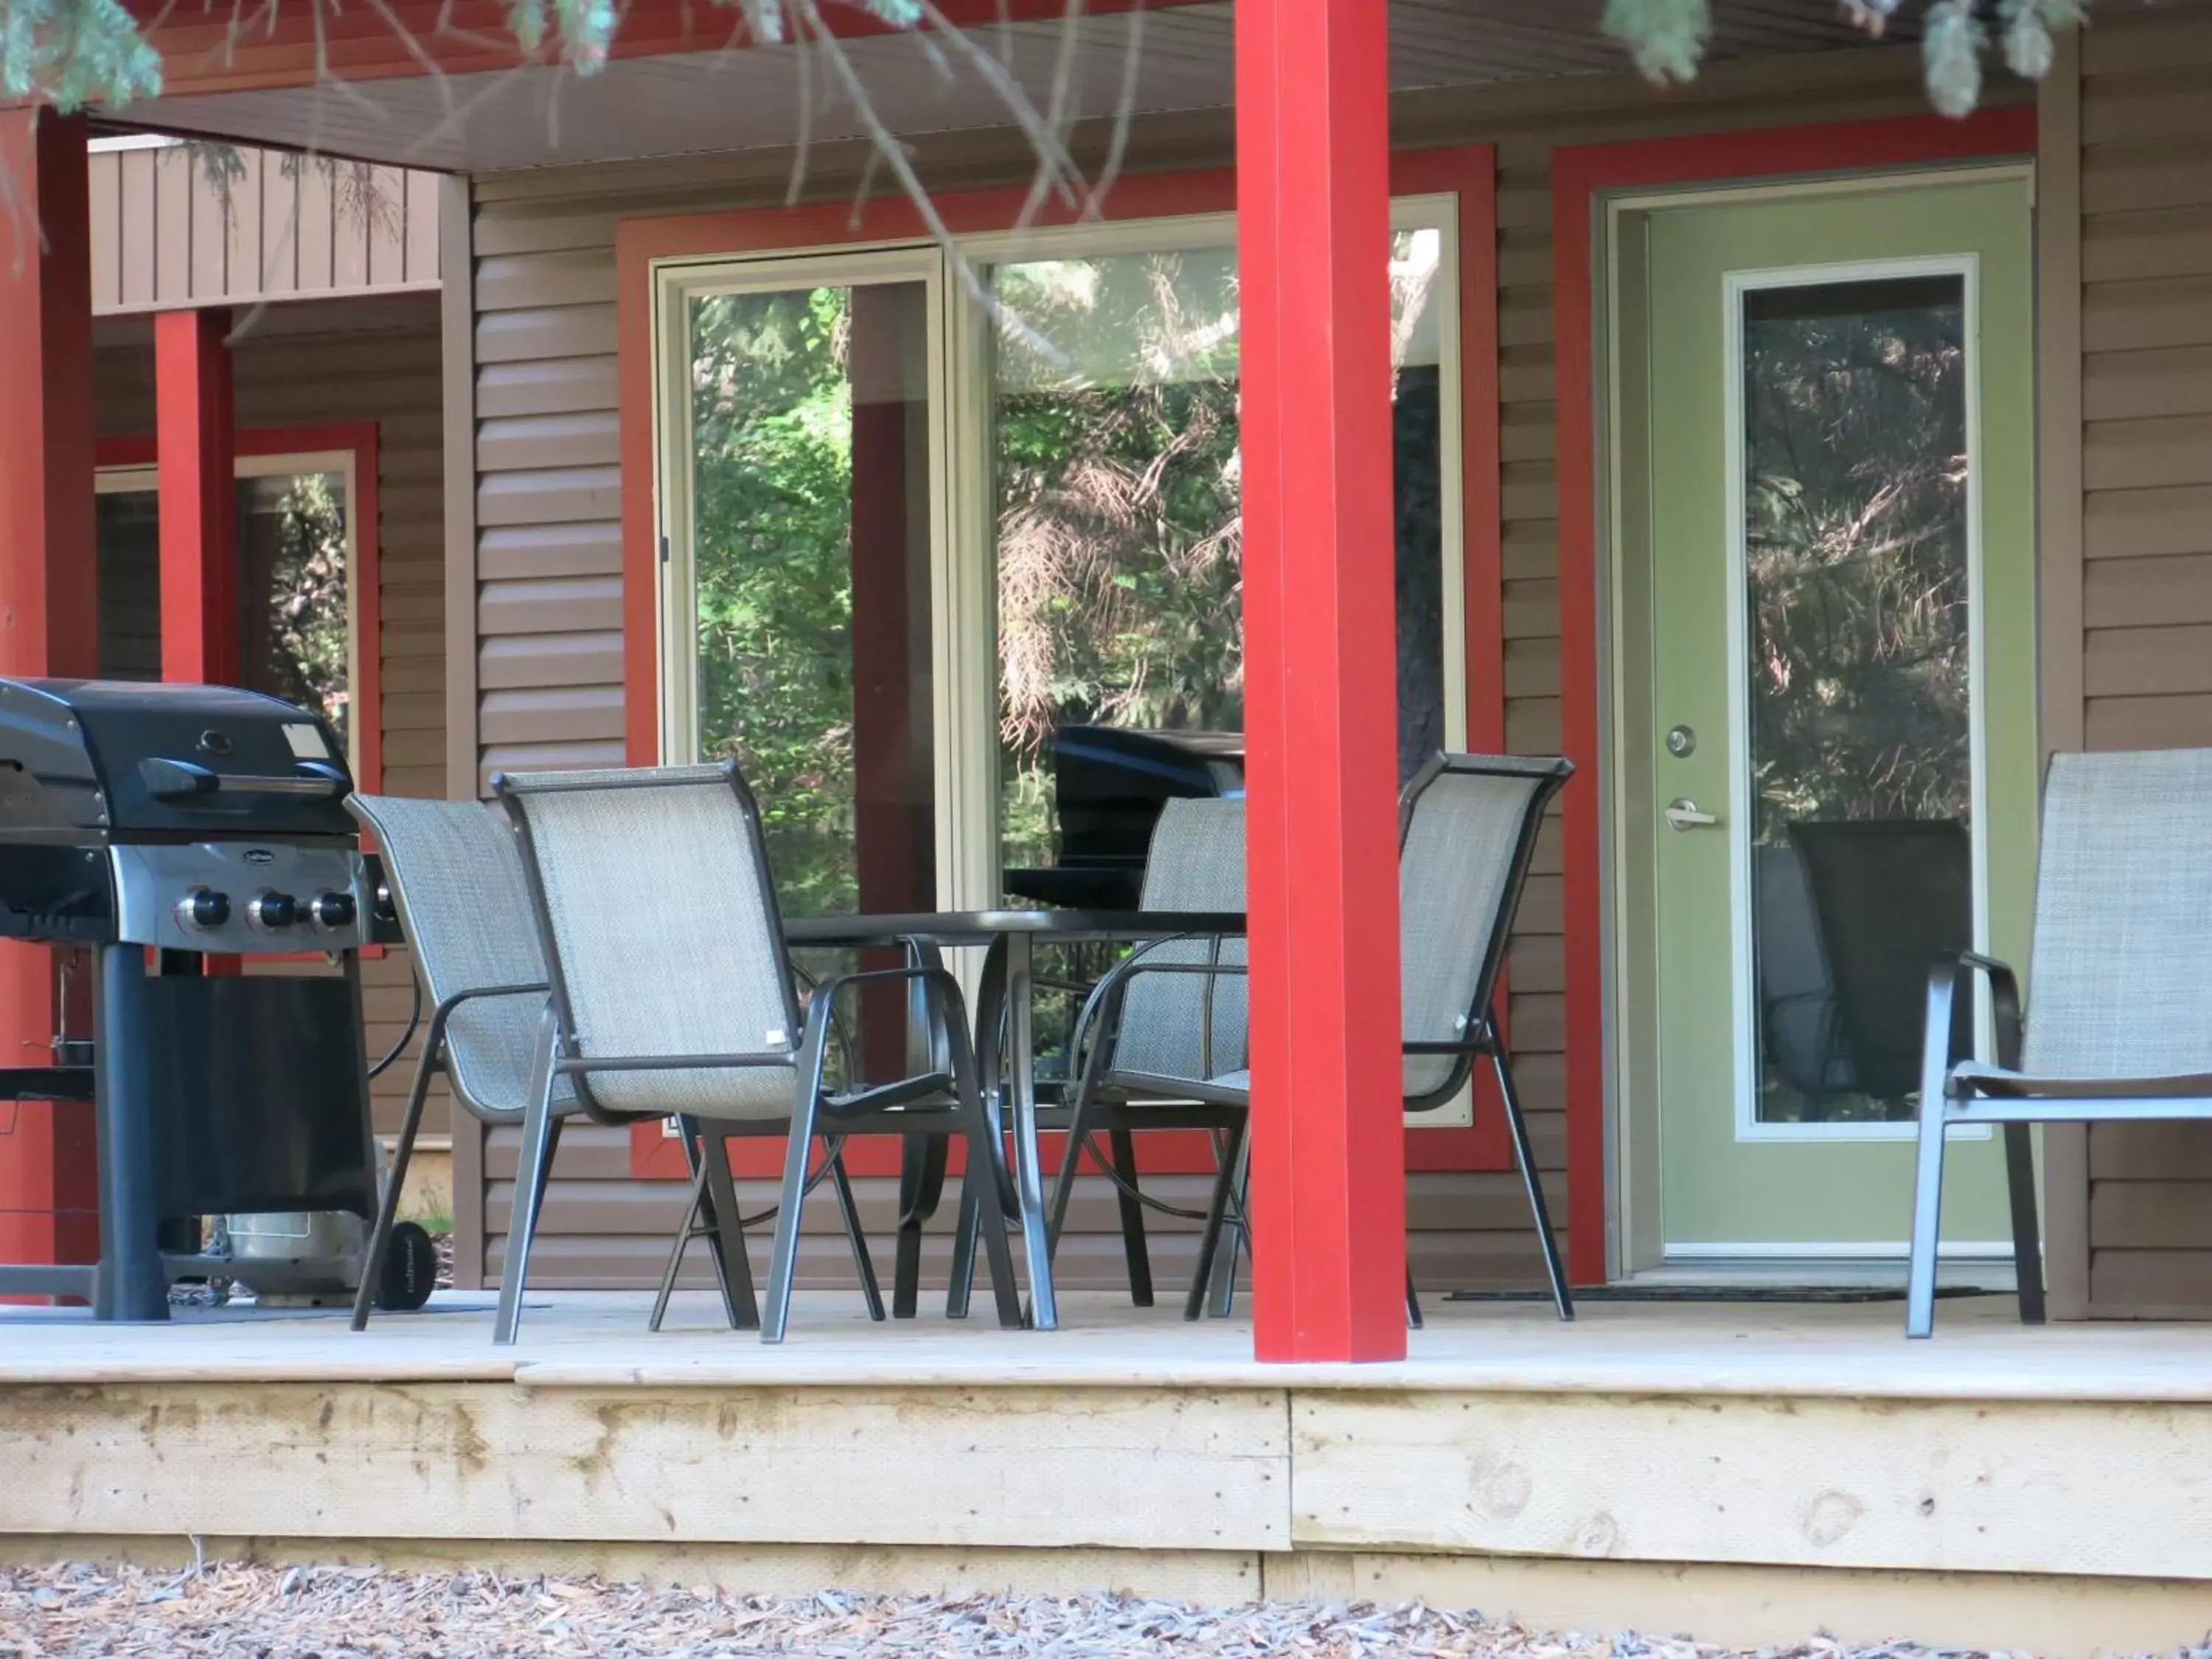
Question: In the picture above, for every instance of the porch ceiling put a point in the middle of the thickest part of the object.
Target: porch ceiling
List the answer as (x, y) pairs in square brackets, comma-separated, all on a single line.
[(1181, 56)]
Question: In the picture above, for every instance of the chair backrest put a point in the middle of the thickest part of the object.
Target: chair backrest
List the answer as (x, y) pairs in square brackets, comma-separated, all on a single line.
[(660, 927), (2120, 978), (1470, 824), (456, 878), (1195, 862)]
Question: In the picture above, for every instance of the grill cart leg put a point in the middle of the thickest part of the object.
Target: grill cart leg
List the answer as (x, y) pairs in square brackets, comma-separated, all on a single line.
[(132, 1284)]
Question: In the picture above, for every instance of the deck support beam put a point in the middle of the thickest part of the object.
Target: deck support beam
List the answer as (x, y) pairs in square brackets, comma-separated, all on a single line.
[(195, 448), (1327, 1196), (49, 607)]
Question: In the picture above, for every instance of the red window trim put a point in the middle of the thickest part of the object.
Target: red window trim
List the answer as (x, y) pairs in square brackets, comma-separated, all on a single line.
[(1468, 172), (1580, 176)]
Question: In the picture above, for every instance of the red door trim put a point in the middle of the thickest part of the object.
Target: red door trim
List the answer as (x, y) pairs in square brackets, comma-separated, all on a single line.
[(1580, 175), (1468, 171)]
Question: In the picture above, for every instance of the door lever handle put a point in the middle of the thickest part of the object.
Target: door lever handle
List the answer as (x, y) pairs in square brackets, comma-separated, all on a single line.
[(1682, 813)]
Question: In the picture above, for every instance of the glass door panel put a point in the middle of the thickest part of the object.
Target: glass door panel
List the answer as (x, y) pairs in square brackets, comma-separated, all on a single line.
[(1115, 478), (1860, 740), (805, 581)]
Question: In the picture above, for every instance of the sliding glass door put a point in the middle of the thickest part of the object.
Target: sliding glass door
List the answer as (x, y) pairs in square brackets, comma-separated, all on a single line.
[(923, 509)]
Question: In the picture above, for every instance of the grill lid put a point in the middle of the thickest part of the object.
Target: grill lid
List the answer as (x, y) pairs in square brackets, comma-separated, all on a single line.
[(133, 756)]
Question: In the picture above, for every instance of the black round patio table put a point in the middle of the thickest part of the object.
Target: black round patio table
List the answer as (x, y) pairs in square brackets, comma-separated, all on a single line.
[(1002, 1002)]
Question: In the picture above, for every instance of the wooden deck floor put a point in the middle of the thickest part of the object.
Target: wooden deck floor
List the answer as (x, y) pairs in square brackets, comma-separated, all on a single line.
[(1746, 1439), (596, 1339)]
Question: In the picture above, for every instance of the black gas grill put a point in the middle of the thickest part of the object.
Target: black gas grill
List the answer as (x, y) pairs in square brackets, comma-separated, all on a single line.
[(161, 825), (1109, 785)]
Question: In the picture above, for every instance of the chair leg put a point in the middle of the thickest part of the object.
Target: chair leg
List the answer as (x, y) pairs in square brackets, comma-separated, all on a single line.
[(922, 1184), (1070, 1165), (387, 1212), (863, 1263), (688, 1229), (729, 1236), (1232, 1155), (2026, 1240), (980, 1180), (1927, 1221), (1562, 1298), (1236, 1239), (541, 1133), (1124, 1147), (960, 1289), (783, 1264), (1413, 1302)]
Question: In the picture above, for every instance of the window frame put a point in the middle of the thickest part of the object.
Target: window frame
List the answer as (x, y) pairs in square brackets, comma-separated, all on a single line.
[(963, 596)]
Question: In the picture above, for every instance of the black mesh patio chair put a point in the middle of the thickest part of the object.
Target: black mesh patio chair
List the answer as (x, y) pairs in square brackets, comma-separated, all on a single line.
[(2118, 1027), (672, 995), (456, 881), (1165, 1033), (1170, 1026)]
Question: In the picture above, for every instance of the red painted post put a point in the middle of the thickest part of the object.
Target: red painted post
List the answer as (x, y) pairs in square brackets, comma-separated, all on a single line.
[(48, 621), (195, 447), (1327, 1203)]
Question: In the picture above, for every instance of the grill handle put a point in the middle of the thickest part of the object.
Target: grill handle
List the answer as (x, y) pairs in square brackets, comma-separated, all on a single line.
[(176, 779)]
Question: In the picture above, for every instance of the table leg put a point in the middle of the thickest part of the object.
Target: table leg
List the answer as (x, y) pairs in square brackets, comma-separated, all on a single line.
[(132, 1282), (990, 1004), (1028, 1172)]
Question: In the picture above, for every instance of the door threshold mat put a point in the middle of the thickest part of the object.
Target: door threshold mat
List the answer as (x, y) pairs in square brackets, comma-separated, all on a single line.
[(1785, 1293)]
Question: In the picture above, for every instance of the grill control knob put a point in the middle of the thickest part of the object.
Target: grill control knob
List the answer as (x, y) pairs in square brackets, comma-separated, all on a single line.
[(202, 910), (331, 910), (271, 912)]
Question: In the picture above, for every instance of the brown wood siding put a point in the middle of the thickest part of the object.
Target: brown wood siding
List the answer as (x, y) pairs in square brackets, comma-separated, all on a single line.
[(201, 224), (343, 360), (549, 555), (2146, 257)]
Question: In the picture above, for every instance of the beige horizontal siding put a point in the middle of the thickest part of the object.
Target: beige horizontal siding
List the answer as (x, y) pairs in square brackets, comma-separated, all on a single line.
[(332, 361), (2147, 531), (201, 224)]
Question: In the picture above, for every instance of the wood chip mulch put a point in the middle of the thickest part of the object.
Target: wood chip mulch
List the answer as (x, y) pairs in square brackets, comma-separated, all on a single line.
[(77, 1608)]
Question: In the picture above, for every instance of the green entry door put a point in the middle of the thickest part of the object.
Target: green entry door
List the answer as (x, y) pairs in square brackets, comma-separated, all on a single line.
[(1843, 754)]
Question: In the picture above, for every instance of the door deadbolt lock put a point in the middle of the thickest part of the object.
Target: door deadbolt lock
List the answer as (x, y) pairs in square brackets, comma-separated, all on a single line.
[(1681, 742)]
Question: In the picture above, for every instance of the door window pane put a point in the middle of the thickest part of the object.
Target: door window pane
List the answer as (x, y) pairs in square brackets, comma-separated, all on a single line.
[(810, 511), (1861, 723), (1115, 479)]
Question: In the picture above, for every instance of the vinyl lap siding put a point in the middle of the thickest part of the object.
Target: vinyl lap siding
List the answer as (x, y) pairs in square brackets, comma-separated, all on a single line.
[(2147, 584), (337, 362)]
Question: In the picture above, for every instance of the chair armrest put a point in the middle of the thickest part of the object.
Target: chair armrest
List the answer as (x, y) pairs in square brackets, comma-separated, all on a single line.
[(948, 1008), (476, 991), (1104, 1003), (1945, 977), (443, 1013)]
